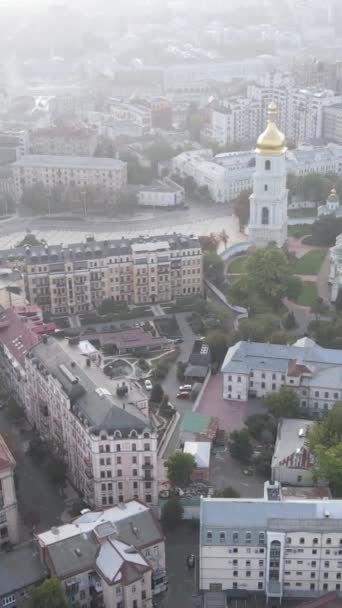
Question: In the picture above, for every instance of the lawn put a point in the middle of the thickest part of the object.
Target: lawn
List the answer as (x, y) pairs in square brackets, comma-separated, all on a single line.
[(299, 230), (168, 326), (306, 212), (311, 262), (309, 294), (237, 265)]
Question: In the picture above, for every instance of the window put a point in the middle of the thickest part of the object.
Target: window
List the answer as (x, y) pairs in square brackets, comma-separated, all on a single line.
[(313, 574), (8, 599), (260, 585), (235, 538), (248, 573), (326, 574), (298, 584), (215, 586), (314, 551), (235, 562), (118, 460), (120, 485), (302, 541), (261, 562), (209, 536), (261, 538), (267, 165), (335, 395), (235, 585), (222, 537), (239, 378), (261, 574), (299, 573), (315, 541), (325, 587), (146, 447), (235, 573), (289, 540), (134, 447), (263, 385), (248, 563), (299, 478), (134, 460), (338, 587), (265, 187), (326, 395), (313, 564), (338, 575), (316, 393), (248, 537), (119, 473), (328, 541), (265, 216), (312, 586), (135, 604)]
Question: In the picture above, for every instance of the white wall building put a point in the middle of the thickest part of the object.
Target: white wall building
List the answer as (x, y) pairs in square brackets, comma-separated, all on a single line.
[(101, 427), (80, 171), (257, 369), (117, 554), (9, 523), (268, 203), (292, 460), (273, 547), (236, 120), (161, 193)]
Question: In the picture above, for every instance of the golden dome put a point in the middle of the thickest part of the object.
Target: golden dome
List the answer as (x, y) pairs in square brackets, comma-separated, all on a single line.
[(271, 141)]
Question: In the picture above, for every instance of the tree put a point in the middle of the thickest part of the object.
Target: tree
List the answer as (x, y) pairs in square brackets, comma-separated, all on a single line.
[(189, 184), (290, 321), (31, 240), (325, 441), (179, 468), (159, 151), (224, 237), (36, 198), (319, 308), (240, 445), (49, 594), (241, 208), (325, 230), (172, 513), (209, 243), (217, 342), (268, 273), (203, 191), (261, 425), (283, 403), (213, 268), (157, 393), (315, 187), (227, 492), (105, 148)]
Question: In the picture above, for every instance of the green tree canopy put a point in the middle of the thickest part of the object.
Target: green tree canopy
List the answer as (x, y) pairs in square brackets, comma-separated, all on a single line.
[(325, 230), (240, 445), (31, 239), (269, 273), (217, 342), (283, 403), (49, 594), (227, 492), (213, 268), (179, 468), (159, 151), (172, 513), (241, 208), (157, 393), (325, 441)]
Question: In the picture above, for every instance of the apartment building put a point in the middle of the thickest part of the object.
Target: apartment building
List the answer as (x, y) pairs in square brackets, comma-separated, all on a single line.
[(18, 140), (77, 278), (100, 426), (236, 120), (332, 123), (64, 141), (256, 369), (115, 556), (20, 571), (9, 525), (161, 193), (283, 549), (138, 114), (80, 171)]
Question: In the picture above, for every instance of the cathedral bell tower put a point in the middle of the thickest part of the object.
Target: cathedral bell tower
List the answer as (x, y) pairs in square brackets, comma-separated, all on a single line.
[(268, 203)]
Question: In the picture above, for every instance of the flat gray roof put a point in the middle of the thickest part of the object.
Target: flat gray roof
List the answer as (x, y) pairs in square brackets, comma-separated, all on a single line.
[(81, 162), (20, 568), (292, 435)]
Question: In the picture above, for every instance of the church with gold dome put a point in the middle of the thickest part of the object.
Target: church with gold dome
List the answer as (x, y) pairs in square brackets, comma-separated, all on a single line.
[(268, 202)]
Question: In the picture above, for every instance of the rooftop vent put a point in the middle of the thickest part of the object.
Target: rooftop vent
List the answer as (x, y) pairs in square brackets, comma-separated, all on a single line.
[(78, 552), (55, 530)]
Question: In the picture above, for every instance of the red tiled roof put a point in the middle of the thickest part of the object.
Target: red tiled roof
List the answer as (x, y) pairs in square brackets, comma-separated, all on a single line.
[(16, 334), (6, 458)]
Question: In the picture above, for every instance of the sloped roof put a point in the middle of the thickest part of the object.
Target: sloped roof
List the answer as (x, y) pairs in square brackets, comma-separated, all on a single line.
[(6, 458)]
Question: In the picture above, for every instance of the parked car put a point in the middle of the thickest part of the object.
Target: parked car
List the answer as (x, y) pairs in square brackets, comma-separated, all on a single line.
[(148, 385), (191, 560), (185, 388), (183, 395)]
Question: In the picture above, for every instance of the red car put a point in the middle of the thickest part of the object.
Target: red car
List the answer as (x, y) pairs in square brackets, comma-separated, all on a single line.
[(183, 395)]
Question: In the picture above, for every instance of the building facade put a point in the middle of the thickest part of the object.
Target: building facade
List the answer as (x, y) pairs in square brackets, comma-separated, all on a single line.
[(252, 369), (273, 547), (100, 427), (79, 171), (9, 523), (161, 193), (292, 460), (78, 278), (268, 202), (63, 141)]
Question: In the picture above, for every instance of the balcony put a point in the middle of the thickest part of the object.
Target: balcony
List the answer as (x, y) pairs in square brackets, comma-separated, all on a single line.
[(147, 476), (147, 465)]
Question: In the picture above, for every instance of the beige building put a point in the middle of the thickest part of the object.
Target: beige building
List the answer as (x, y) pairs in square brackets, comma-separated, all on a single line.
[(9, 531), (101, 427), (79, 171), (79, 277), (64, 141)]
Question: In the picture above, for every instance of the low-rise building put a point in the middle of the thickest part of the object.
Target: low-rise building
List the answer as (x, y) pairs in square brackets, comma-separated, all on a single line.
[(281, 549), (198, 427), (80, 171), (100, 427), (256, 369), (9, 524), (292, 460), (21, 569), (332, 205), (79, 277), (64, 141), (161, 193), (200, 450), (198, 363), (117, 554), (128, 341)]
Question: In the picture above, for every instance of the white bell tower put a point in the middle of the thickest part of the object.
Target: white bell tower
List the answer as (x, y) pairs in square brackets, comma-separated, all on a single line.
[(268, 203)]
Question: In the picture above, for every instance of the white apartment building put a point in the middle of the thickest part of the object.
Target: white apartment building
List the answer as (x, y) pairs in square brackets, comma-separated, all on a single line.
[(236, 120), (68, 141), (115, 557), (19, 139), (9, 523), (335, 270), (257, 369), (161, 193), (139, 114), (282, 549), (101, 427), (80, 171), (79, 277)]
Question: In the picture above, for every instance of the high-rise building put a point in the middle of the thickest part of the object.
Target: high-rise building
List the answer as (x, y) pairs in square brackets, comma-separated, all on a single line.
[(268, 203)]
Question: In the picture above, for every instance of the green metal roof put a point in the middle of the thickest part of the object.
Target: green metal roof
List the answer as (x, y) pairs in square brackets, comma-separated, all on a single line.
[(194, 422)]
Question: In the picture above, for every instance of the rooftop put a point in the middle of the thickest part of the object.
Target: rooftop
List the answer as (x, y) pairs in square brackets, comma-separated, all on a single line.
[(93, 396), (81, 162), (292, 437), (130, 338), (329, 600), (16, 334), (20, 568), (305, 493), (200, 451), (6, 458)]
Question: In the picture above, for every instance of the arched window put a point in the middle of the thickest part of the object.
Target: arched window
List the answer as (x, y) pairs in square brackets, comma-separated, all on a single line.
[(265, 216), (267, 165)]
